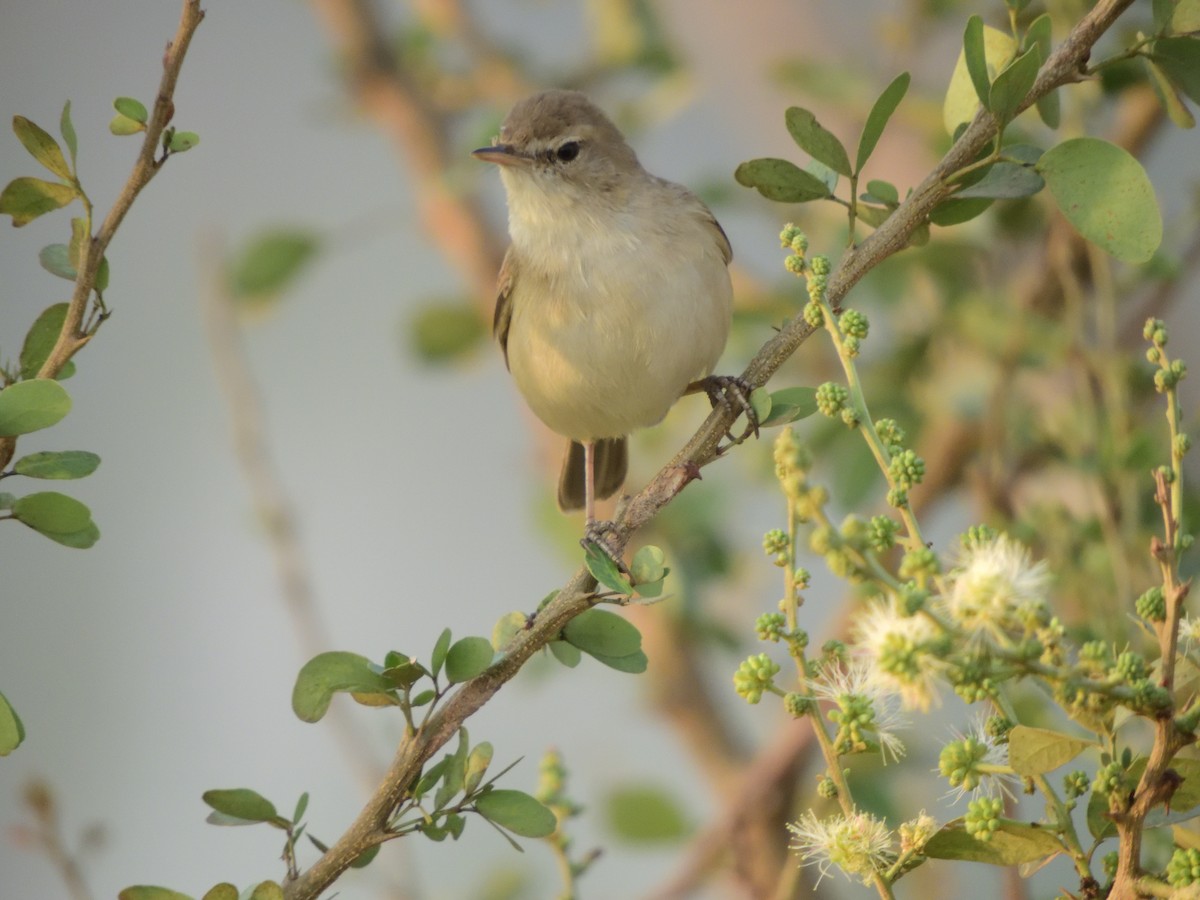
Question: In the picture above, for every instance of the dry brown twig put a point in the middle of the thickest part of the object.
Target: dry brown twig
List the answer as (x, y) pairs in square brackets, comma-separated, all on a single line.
[(370, 827)]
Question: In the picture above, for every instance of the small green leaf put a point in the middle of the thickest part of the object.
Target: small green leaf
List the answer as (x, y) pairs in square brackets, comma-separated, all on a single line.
[(182, 141), (518, 812), (430, 777), (32, 405), (1179, 57), (50, 512), (607, 634), (1186, 17), (632, 664), (401, 671), (1007, 180), (468, 657), (131, 109), (962, 98), (440, 647), (644, 814), (780, 180), (883, 192), (301, 806), (365, 858), (955, 212), (150, 892), (1168, 95), (12, 731), (605, 570), (445, 330), (40, 340), (1012, 85), (790, 405), (61, 464), (241, 803), (878, 118), (647, 565), (819, 143), (67, 127), (1036, 751), (101, 284), (455, 773), (328, 673), (56, 260), (270, 262), (222, 891), (123, 126), (266, 890), (1012, 844), (507, 627), (77, 540), (975, 54), (1039, 34), (478, 761), (1049, 109), (41, 146), (567, 654), (27, 198), (1104, 192)]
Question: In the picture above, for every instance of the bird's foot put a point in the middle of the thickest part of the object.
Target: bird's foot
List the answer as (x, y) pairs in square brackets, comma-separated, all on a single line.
[(599, 534), (732, 393)]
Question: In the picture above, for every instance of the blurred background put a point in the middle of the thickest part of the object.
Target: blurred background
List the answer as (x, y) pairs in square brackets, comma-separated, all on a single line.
[(159, 663)]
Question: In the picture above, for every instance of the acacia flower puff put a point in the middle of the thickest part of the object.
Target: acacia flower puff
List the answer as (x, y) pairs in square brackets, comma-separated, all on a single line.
[(865, 707), (902, 650), (859, 844), (997, 590)]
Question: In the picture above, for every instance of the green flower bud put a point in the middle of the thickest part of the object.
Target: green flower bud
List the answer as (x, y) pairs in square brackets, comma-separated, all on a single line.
[(854, 324), (831, 398), (906, 469), (755, 675), (827, 788), (814, 315), (770, 626), (1152, 605), (983, 817), (797, 705), (1184, 868)]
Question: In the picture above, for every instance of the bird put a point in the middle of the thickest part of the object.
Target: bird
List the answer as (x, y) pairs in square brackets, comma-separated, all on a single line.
[(614, 298)]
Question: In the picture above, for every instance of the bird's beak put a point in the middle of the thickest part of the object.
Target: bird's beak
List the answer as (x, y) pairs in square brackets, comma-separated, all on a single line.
[(501, 154)]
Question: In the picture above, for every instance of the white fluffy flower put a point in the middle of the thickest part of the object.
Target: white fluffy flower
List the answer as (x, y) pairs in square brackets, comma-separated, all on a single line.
[(997, 590), (899, 648), (859, 844), (864, 703)]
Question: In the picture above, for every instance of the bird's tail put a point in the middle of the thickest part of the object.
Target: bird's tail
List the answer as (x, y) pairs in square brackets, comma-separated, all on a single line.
[(612, 462)]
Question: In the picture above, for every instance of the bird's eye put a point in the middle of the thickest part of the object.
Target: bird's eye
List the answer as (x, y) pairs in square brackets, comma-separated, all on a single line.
[(568, 151)]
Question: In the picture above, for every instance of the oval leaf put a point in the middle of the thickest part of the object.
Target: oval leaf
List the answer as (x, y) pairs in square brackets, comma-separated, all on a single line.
[(633, 664), (567, 654), (819, 143), (645, 813), (445, 330), (790, 404), (468, 657), (780, 180), (182, 141), (440, 648), (1012, 844), (123, 126), (241, 803), (40, 340), (41, 146), (150, 892), (55, 259), (51, 513), (1013, 84), (326, 674), (647, 565), (962, 98), (266, 890), (878, 118), (27, 198), (131, 109), (1035, 751), (270, 261), (975, 57), (518, 812), (222, 891), (605, 569), (1104, 192), (67, 127), (31, 406), (60, 465), (12, 731), (607, 634)]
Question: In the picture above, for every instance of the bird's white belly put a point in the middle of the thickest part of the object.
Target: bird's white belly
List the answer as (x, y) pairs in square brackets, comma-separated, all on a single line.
[(600, 353)]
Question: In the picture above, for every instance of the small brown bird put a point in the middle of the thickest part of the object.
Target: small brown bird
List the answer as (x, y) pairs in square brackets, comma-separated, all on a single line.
[(614, 297)]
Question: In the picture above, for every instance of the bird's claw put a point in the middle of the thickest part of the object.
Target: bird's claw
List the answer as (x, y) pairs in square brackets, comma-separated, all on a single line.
[(596, 534), (732, 393)]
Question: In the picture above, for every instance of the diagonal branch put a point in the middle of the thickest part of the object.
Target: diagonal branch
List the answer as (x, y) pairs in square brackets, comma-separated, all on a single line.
[(1064, 65)]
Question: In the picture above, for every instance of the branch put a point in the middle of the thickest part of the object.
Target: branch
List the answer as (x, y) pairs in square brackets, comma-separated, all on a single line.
[(369, 827)]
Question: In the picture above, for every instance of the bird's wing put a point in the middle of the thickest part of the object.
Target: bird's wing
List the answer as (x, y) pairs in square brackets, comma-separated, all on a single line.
[(722, 238), (503, 315)]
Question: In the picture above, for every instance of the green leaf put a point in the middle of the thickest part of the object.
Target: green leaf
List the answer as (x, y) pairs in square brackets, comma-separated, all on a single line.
[(1049, 108), (150, 892), (41, 146), (182, 141), (598, 632), (507, 627), (819, 143), (40, 340), (1039, 34), (32, 405), (1008, 180), (446, 330), (823, 172), (12, 731), (1012, 85), (52, 513), (301, 806), (101, 284), (440, 648), (1186, 17), (328, 673), (478, 761), (962, 99), (1104, 192), (975, 54), (131, 109), (241, 803), (67, 127), (430, 777), (1036, 751), (123, 126), (468, 657), (780, 180), (55, 259), (1012, 844), (222, 891), (605, 570), (270, 262), (402, 671), (648, 565), (878, 118), (1168, 95), (955, 212), (790, 405), (644, 814), (632, 664), (518, 812), (61, 464), (883, 192), (266, 890), (365, 858), (27, 198), (567, 654), (455, 773), (1179, 58)]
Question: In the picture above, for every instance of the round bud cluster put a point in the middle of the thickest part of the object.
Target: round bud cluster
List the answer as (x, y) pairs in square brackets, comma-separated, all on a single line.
[(854, 715), (890, 432), (792, 237), (831, 398), (1076, 784), (1111, 779), (1155, 331), (755, 675), (983, 817), (906, 468), (1183, 443), (959, 760), (818, 278), (1184, 867), (814, 315), (802, 578), (881, 534), (797, 705), (834, 650), (978, 536), (770, 627), (1096, 657), (1130, 666), (998, 727), (1150, 698), (775, 543), (897, 497), (794, 264), (854, 324), (973, 680), (850, 417), (827, 788), (912, 598), (1152, 605), (919, 564), (1166, 379)]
